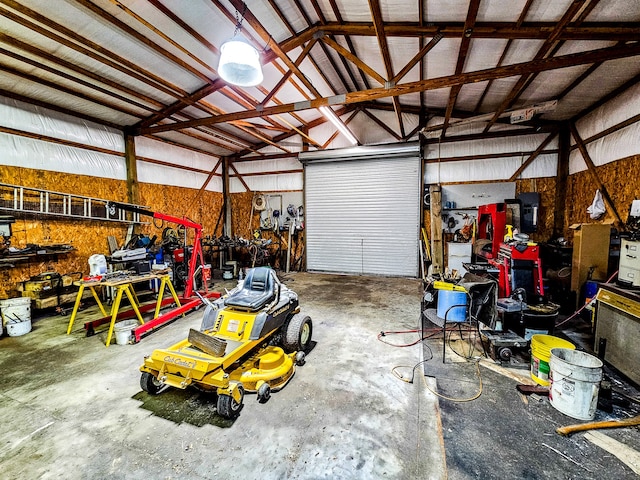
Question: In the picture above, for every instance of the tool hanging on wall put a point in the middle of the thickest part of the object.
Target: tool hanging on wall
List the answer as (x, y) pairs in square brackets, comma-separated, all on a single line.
[(258, 204)]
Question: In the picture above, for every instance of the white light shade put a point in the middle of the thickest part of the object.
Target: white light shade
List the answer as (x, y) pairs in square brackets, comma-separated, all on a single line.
[(240, 64)]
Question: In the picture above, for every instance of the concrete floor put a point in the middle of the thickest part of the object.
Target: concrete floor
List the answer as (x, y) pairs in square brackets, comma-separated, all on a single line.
[(71, 408)]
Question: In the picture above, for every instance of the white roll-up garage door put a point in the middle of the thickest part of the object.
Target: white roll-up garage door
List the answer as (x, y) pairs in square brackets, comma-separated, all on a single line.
[(362, 210)]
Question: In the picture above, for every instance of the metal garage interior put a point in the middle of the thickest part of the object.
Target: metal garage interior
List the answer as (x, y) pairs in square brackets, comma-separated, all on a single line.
[(353, 167)]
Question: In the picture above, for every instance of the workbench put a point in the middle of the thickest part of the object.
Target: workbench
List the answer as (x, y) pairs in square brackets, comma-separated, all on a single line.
[(122, 286)]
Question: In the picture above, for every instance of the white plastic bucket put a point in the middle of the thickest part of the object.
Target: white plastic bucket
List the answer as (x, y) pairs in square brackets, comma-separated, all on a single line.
[(123, 331), (16, 315), (18, 328), (574, 382)]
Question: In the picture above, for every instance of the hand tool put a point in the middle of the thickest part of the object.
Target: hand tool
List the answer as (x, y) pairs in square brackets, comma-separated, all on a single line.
[(625, 422)]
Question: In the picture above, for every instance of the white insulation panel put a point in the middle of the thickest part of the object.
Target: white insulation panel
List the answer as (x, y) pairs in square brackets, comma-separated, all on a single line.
[(41, 121), (37, 154), (498, 168), (150, 148), (621, 144)]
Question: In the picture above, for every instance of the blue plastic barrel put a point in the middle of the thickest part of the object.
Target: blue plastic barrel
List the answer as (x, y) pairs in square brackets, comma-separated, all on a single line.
[(448, 298)]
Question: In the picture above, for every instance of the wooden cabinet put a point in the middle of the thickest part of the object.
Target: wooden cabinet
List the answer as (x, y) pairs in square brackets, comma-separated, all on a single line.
[(590, 252)]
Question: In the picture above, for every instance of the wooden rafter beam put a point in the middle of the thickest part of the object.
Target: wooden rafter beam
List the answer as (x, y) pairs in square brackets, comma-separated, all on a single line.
[(551, 47), (83, 45), (417, 58), (488, 135), (265, 156), (611, 53), (196, 198), (378, 23), (271, 172), (182, 102), (171, 165), (532, 157), (312, 124), (187, 147), (612, 31), (523, 15), (288, 74), (325, 49), (164, 36), (465, 43), (594, 174), (549, 42), (382, 125), (239, 177), (610, 130), (355, 60), (250, 18), (120, 25), (232, 93), (293, 67), (69, 91), (266, 37), (581, 78), (111, 92)]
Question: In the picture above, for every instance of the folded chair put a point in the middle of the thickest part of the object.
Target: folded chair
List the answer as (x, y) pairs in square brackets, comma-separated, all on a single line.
[(479, 307)]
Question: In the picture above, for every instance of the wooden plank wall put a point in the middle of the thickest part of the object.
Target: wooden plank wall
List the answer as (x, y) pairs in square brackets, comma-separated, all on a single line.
[(89, 237), (621, 180)]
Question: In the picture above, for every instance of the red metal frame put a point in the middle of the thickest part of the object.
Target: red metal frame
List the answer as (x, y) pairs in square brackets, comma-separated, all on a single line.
[(531, 253), (494, 216), (189, 302)]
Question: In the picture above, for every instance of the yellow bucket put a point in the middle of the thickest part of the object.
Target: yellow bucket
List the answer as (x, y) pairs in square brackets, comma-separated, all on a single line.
[(541, 346)]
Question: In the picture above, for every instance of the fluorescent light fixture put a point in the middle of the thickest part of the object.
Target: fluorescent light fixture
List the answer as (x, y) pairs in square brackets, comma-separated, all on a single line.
[(339, 124), (240, 63)]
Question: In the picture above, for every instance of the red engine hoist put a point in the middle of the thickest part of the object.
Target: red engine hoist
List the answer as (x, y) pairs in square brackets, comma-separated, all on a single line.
[(188, 301)]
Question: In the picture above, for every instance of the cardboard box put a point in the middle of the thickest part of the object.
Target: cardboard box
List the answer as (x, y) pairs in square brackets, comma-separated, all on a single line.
[(590, 251)]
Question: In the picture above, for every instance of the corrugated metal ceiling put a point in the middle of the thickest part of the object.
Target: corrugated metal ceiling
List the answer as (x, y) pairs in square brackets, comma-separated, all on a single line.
[(150, 65)]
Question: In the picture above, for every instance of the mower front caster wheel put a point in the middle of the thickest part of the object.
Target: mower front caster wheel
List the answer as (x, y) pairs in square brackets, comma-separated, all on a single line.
[(264, 393), (228, 407), (150, 384), (301, 358)]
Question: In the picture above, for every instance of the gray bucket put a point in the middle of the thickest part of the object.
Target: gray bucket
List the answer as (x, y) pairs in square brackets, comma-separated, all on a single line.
[(574, 382)]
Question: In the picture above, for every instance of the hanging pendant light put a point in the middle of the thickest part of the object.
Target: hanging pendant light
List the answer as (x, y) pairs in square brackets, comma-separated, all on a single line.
[(239, 61)]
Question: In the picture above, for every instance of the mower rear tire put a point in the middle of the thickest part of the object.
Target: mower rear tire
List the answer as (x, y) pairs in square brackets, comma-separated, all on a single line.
[(297, 336), (228, 407), (150, 384)]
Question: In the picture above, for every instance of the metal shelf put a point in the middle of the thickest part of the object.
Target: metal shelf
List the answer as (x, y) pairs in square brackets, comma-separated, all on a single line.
[(35, 201)]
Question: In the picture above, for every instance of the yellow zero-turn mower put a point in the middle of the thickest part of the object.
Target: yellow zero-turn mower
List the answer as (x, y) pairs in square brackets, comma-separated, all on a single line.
[(250, 341)]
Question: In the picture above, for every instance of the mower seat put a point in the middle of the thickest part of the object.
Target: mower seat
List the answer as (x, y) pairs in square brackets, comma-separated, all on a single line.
[(258, 290)]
